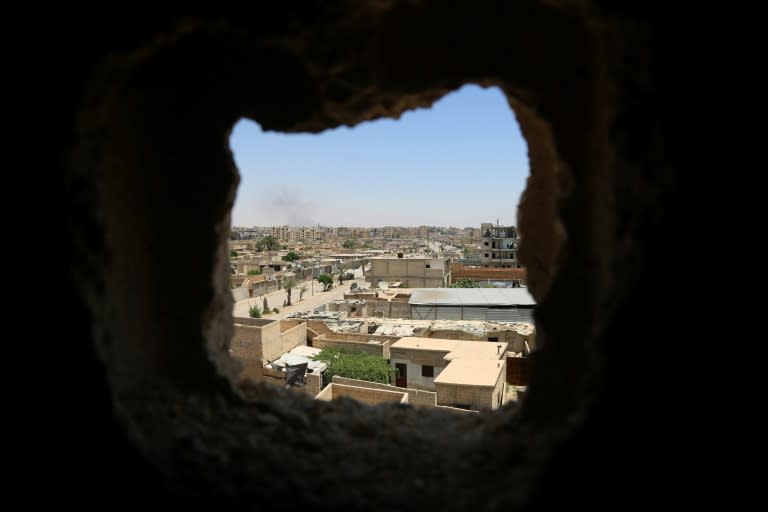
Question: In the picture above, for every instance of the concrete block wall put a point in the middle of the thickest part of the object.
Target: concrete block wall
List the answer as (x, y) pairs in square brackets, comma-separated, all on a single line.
[(319, 326), (497, 397), (389, 309), (416, 397), (386, 341), (290, 323), (453, 334), (246, 342), (363, 394), (270, 341), (515, 341), (478, 398), (275, 342), (347, 307), (381, 350)]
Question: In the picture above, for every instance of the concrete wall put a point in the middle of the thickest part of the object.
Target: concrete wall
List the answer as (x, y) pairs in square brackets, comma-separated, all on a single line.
[(239, 293), (479, 398), (290, 324), (515, 341), (414, 359), (413, 273), (414, 377), (334, 391), (257, 340), (276, 342), (357, 308), (319, 327), (416, 397), (247, 339), (388, 309), (453, 334), (381, 350), (265, 287)]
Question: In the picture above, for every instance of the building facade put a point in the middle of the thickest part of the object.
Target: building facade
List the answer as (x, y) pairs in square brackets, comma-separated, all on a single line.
[(411, 272), (498, 246)]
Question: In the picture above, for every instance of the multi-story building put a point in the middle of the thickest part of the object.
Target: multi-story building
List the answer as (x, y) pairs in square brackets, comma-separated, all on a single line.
[(281, 232), (498, 246)]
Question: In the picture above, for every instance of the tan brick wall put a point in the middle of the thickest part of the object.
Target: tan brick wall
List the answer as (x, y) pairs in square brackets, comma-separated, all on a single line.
[(319, 327), (388, 309), (364, 394), (516, 341), (399, 310), (416, 398), (453, 335), (479, 398), (290, 324), (386, 341), (246, 343), (497, 399), (313, 383), (275, 343), (352, 346), (354, 336)]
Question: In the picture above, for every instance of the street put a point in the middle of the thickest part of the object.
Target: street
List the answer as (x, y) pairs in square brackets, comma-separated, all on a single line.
[(310, 301)]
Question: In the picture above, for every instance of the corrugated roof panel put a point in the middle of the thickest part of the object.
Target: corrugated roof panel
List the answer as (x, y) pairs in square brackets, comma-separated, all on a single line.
[(472, 297)]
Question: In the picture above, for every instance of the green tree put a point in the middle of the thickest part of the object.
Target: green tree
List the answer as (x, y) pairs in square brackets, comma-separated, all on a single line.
[(349, 244), (354, 365), (291, 256), (327, 281), (268, 243), (302, 291), (465, 283), (254, 311), (254, 272), (288, 285), (233, 254)]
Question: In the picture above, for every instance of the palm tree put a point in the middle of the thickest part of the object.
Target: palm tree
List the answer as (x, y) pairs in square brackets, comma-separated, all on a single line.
[(289, 284)]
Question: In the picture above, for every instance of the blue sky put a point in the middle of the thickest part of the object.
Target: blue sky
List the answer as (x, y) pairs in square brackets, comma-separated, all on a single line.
[(459, 163)]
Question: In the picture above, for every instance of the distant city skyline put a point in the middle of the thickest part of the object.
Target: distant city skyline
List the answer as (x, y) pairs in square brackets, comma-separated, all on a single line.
[(460, 163)]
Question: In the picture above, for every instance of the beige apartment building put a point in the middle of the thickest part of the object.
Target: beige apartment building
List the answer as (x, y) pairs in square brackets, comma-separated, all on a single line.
[(416, 272)]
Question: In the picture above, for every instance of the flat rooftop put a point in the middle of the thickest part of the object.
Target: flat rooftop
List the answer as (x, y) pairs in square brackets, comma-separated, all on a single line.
[(457, 349), (434, 344), (471, 372), (472, 297)]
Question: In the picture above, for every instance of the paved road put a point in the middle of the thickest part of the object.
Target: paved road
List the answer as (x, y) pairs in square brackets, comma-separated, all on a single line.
[(311, 300)]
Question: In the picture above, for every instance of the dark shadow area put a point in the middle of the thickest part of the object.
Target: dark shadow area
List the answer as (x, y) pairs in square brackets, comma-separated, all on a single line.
[(120, 112)]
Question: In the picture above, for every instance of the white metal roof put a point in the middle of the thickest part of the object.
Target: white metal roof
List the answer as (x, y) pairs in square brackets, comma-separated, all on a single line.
[(472, 297)]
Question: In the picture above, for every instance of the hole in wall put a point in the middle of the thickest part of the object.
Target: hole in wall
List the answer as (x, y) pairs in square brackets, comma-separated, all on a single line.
[(438, 183)]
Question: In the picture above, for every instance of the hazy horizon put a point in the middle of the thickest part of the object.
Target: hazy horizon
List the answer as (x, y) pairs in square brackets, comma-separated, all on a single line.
[(458, 164)]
